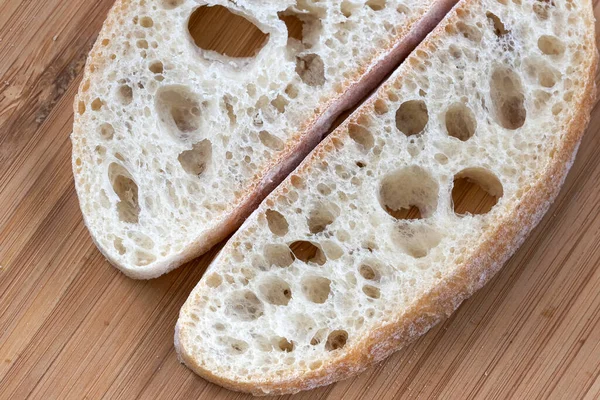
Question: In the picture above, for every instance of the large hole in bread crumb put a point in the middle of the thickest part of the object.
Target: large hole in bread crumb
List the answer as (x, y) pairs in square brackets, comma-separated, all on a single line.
[(316, 289), (233, 346), (303, 28), (409, 193), (196, 160), (214, 280), (244, 305), (279, 255), (499, 28), (376, 5), (551, 45), (311, 69), (476, 191), (508, 98), (216, 28), (275, 291), (460, 122), (277, 223), (362, 136), (125, 94), (271, 141), (321, 216), (372, 291), (412, 117), (416, 240), (336, 340), (285, 345), (125, 187), (308, 252), (179, 110), (107, 132)]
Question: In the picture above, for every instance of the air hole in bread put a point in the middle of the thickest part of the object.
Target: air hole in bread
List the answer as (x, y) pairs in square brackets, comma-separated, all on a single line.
[(291, 91), (311, 70), (336, 340), (369, 271), (171, 4), (316, 289), (271, 141), (146, 22), (244, 306), (538, 70), (508, 98), (460, 122), (362, 136), (409, 193), (279, 103), (321, 216), (469, 31), (97, 105), (318, 337), (499, 28), (275, 291), (179, 110), (214, 280), (118, 244), (542, 8), (376, 5), (293, 23), (234, 37), (412, 117), (285, 345), (277, 223), (332, 250), (416, 240), (308, 252), (551, 45), (278, 254), (125, 94), (371, 291), (125, 187), (81, 107), (156, 67), (323, 189), (476, 191), (380, 107), (233, 346), (107, 131), (347, 7), (198, 159), (227, 101), (141, 240), (143, 258)]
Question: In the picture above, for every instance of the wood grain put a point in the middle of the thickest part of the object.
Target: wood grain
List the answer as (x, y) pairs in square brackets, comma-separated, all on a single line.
[(71, 326)]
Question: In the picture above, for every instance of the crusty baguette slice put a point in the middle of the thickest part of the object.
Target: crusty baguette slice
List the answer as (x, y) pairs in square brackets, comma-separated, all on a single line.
[(175, 144), (368, 243)]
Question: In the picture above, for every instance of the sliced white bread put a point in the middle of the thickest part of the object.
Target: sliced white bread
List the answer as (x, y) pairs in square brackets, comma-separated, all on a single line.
[(369, 243), (175, 144)]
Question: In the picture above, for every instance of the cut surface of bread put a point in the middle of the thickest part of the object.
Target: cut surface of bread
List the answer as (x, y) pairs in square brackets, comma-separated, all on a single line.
[(406, 209), (182, 127)]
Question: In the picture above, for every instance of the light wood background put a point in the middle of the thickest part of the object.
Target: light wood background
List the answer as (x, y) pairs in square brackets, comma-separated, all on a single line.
[(71, 326)]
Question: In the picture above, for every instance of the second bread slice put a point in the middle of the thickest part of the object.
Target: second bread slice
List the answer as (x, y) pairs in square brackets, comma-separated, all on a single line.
[(406, 209)]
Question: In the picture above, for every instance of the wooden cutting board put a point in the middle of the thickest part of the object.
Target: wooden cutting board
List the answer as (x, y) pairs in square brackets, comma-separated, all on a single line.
[(71, 326)]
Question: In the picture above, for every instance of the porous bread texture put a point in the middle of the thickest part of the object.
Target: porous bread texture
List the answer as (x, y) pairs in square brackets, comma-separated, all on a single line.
[(173, 144), (326, 277)]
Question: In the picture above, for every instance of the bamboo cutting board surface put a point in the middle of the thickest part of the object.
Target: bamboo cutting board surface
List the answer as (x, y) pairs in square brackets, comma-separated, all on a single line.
[(71, 326)]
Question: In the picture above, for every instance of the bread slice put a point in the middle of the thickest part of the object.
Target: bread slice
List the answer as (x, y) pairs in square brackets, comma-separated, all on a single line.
[(369, 243), (174, 144)]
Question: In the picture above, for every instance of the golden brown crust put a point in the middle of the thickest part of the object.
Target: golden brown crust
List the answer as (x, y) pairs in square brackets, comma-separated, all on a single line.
[(443, 299)]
